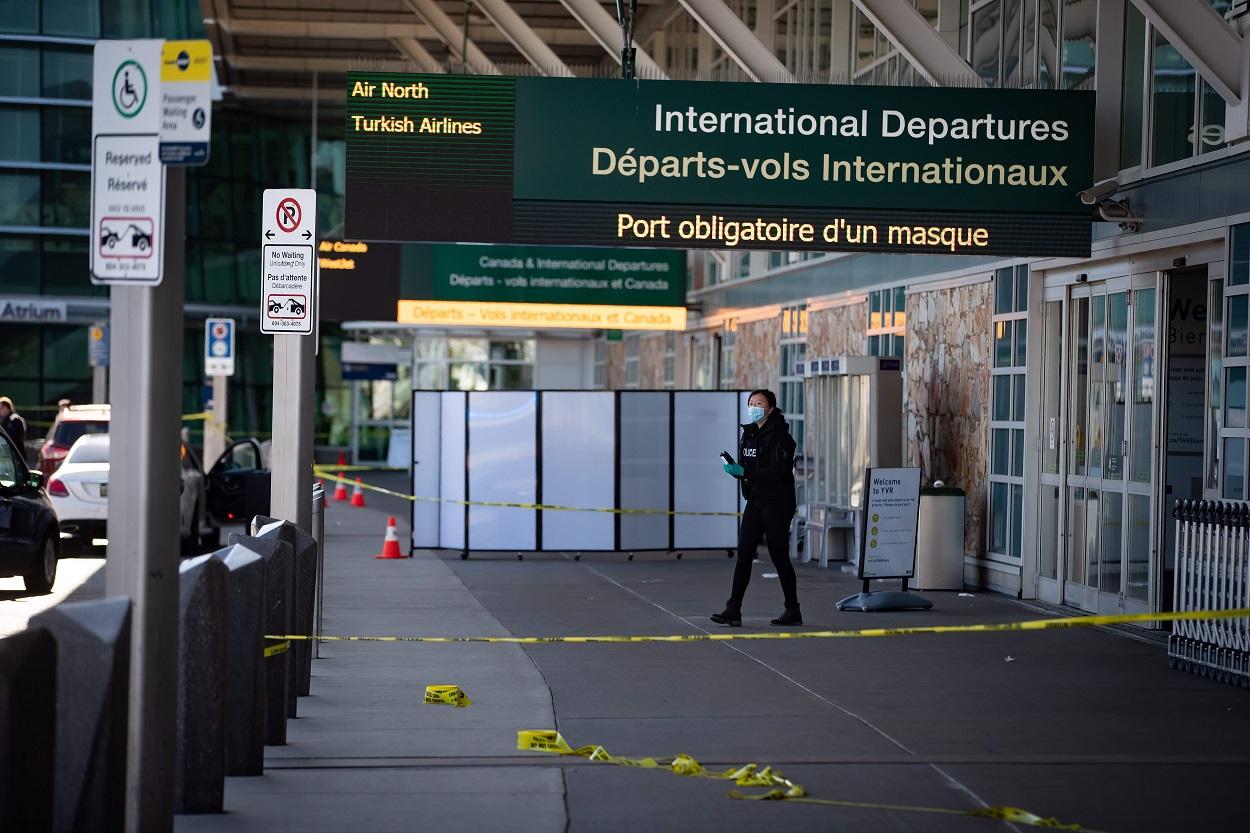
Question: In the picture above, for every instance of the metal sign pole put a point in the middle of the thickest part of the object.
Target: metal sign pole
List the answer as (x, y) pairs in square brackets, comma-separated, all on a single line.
[(291, 455), (143, 554)]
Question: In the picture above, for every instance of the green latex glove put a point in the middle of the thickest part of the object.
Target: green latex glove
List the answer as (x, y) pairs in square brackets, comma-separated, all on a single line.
[(734, 469)]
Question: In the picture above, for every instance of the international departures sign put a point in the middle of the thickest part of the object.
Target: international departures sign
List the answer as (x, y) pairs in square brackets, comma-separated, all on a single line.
[(718, 165)]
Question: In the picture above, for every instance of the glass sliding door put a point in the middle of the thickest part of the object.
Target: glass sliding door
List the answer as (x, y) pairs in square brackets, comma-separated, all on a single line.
[(1051, 527), (1109, 527)]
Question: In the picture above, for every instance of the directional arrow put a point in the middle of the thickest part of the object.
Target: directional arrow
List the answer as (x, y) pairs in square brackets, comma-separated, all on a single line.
[(268, 234), (307, 235)]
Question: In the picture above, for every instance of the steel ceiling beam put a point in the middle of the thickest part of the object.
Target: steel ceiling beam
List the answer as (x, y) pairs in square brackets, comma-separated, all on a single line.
[(452, 36), (412, 49), (922, 45), (1205, 40), (523, 38), (737, 40), (607, 31), (293, 27)]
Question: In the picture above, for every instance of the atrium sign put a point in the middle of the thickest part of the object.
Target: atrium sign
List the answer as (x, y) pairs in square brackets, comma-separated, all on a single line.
[(676, 164)]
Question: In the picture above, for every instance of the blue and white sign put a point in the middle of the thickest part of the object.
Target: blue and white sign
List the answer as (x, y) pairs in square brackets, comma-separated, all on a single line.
[(219, 347), (98, 345)]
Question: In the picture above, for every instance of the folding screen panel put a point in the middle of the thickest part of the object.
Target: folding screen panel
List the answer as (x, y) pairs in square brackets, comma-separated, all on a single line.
[(644, 470), (503, 466), (705, 423), (578, 469), (427, 424), (451, 471)]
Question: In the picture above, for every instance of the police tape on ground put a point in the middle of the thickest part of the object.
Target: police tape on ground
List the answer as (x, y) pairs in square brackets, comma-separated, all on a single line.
[(916, 630)]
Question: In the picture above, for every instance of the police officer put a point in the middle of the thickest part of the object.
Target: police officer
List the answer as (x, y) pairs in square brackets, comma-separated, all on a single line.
[(765, 468)]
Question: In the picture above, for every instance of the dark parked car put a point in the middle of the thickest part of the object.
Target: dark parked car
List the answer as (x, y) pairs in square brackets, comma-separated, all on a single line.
[(29, 532), (238, 484)]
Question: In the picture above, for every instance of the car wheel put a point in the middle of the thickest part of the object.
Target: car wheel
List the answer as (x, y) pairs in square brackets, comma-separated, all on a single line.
[(44, 575)]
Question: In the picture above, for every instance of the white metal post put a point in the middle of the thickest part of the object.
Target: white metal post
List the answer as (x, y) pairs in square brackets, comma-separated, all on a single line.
[(291, 455), (216, 424), (147, 325)]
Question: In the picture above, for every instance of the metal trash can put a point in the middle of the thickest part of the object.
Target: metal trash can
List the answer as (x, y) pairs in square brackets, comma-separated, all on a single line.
[(940, 539)]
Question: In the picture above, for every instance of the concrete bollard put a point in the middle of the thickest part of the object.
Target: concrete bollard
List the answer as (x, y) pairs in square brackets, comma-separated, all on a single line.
[(277, 619), (200, 779), (245, 682), (93, 678), (27, 730), (305, 548)]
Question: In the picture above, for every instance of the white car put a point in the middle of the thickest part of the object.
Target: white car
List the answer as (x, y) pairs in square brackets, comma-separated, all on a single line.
[(79, 493)]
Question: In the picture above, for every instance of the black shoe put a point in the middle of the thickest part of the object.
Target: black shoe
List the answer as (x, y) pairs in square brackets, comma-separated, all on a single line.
[(790, 617), (731, 616)]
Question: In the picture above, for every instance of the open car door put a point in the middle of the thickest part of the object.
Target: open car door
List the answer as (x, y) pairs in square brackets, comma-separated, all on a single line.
[(238, 484)]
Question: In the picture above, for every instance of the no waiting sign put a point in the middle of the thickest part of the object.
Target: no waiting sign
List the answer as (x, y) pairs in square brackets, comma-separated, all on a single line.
[(288, 261)]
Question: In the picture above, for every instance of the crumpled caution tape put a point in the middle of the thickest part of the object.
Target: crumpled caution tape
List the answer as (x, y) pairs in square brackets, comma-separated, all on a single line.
[(447, 695), (280, 648), (747, 775), (781, 788), (993, 627)]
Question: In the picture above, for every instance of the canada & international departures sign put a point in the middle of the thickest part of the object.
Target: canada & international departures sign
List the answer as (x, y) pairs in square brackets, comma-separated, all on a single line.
[(605, 162)]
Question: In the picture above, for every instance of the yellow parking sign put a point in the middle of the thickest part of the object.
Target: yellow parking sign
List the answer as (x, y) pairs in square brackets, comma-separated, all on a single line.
[(186, 101)]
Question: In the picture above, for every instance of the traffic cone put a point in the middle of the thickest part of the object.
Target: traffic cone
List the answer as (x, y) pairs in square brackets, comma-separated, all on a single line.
[(358, 494), (340, 490), (342, 460), (390, 544)]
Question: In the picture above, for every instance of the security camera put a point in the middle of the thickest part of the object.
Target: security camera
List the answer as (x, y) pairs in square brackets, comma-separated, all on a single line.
[(1099, 191)]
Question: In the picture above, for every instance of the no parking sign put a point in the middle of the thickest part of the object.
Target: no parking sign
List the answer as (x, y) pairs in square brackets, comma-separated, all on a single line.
[(219, 347)]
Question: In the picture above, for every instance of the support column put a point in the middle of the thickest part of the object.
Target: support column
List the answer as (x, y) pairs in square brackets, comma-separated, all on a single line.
[(291, 452), (525, 39), (1109, 68), (99, 384), (143, 534), (739, 42)]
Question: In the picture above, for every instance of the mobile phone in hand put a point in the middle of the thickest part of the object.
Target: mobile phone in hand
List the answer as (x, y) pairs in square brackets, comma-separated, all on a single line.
[(727, 457)]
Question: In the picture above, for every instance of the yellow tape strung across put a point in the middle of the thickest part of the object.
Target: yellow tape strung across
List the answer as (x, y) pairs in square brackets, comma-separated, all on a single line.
[(319, 468), (447, 695), (205, 415), (752, 775), (325, 473), (1027, 625), (280, 648)]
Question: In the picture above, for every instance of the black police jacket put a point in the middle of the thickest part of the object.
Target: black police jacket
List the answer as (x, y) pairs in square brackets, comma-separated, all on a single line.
[(766, 453)]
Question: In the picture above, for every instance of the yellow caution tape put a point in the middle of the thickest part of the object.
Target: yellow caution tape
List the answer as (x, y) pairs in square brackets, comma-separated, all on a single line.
[(197, 416), (319, 468), (779, 787), (747, 775), (447, 695), (1027, 625), (280, 648), (325, 473)]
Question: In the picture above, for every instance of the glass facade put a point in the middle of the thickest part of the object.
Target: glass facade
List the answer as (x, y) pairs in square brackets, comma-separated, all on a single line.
[(45, 165), (1007, 411)]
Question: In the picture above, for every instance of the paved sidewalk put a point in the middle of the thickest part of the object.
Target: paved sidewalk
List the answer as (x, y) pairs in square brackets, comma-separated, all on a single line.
[(1086, 726)]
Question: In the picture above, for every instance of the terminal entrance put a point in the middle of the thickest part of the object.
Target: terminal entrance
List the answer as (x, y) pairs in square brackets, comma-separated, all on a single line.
[(1097, 517), (1121, 436)]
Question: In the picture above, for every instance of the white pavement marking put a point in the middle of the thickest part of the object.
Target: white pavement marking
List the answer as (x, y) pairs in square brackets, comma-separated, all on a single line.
[(950, 779), (17, 607)]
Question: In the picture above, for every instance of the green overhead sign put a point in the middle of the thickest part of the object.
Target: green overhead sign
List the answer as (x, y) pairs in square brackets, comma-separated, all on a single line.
[(557, 275), (718, 165)]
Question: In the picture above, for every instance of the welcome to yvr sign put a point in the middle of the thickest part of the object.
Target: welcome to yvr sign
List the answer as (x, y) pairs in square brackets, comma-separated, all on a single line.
[(718, 165)]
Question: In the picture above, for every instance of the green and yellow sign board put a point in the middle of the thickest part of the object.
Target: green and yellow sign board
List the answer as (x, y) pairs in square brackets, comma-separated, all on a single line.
[(675, 164)]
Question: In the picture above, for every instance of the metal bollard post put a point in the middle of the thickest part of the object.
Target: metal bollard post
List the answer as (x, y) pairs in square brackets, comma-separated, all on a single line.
[(319, 532)]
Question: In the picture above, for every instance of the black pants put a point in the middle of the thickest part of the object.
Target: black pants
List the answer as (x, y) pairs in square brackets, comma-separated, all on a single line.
[(772, 522)]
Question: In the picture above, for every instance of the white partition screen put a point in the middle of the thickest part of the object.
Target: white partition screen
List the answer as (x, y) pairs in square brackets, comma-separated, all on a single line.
[(451, 516), (705, 423), (644, 470), (656, 451), (427, 453), (578, 461), (503, 466)]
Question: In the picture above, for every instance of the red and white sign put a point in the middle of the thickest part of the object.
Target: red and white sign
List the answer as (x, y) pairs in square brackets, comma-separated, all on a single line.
[(288, 261)]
